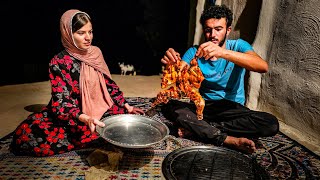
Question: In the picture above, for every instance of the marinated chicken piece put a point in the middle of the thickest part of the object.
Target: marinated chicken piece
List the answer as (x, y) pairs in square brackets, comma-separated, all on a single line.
[(180, 80)]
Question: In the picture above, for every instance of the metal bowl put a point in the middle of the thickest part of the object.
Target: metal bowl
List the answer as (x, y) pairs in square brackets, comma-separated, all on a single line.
[(132, 130)]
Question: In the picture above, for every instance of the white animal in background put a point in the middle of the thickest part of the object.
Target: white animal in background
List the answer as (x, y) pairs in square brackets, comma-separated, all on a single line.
[(127, 68)]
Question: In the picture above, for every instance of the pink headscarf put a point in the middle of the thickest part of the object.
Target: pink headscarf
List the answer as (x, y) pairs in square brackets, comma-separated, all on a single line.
[(95, 97)]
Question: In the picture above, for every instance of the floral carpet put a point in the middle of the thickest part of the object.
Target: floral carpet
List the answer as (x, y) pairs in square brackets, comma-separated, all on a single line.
[(280, 156)]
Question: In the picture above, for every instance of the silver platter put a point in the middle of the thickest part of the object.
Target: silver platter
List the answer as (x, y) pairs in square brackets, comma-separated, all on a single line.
[(132, 130)]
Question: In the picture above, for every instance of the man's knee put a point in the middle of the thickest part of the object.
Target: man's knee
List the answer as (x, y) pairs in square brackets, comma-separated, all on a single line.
[(272, 126)]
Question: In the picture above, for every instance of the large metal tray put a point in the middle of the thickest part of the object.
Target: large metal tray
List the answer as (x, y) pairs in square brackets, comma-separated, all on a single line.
[(133, 130)]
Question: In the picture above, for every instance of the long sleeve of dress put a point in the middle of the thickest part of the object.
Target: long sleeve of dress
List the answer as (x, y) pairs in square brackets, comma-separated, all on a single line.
[(65, 90), (115, 92)]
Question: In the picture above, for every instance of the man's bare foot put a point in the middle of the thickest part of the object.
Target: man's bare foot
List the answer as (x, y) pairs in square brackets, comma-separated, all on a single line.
[(183, 133), (242, 144)]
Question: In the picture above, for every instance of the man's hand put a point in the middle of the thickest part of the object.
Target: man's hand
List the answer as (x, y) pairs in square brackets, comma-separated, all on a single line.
[(91, 122), (170, 57), (248, 60), (209, 50)]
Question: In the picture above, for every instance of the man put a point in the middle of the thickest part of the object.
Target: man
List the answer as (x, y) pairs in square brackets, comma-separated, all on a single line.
[(223, 63)]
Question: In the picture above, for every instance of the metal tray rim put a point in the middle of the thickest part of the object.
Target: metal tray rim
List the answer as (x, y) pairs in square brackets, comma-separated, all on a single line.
[(126, 145)]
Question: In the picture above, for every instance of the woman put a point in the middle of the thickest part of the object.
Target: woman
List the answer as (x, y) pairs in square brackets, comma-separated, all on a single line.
[(82, 93)]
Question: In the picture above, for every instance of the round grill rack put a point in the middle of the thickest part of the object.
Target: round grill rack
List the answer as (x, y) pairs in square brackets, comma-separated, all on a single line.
[(210, 162)]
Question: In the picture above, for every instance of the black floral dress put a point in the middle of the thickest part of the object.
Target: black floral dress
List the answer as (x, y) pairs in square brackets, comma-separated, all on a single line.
[(56, 129)]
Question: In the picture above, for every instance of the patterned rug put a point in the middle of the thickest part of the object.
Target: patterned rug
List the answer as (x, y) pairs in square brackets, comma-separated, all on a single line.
[(280, 156)]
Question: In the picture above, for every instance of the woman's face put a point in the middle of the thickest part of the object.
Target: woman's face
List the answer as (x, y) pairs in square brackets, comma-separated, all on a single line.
[(83, 37)]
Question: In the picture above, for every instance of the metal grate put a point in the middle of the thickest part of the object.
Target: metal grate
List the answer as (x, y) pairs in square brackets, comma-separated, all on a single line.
[(209, 162)]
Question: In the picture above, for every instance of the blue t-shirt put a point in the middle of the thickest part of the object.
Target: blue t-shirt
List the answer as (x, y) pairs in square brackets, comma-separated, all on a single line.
[(223, 79)]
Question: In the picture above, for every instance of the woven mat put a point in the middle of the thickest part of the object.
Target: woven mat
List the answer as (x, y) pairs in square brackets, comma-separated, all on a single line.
[(280, 156)]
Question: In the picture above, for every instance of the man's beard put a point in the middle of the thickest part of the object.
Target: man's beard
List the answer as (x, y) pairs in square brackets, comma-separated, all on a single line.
[(223, 40)]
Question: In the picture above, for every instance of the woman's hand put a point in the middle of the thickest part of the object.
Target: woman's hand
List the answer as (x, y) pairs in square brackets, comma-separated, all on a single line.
[(136, 110), (133, 110), (91, 122)]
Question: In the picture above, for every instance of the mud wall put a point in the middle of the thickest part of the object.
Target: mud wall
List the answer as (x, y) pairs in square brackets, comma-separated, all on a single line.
[(291, 89)]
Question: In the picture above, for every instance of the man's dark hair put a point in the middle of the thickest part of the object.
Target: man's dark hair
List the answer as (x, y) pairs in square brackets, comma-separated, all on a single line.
[(217, 12)]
